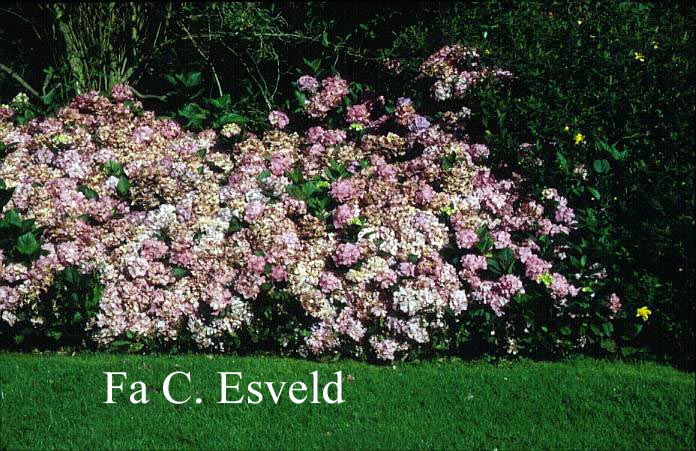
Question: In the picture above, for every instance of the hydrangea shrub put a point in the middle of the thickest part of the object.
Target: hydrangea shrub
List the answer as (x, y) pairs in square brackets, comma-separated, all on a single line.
[(384, 234)]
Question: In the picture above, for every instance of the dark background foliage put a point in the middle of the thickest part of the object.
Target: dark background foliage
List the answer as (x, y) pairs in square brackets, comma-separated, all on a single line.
[(619, 73)]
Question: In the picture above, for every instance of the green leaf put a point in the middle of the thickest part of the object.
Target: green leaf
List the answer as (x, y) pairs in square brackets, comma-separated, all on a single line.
[(301, 98), (628, 351), (608, 329), (194, 114), (171, 79), (71, 275), (12, 218), (633, 331), (595, 329), (295, 191), (608, 345), (594, 193), (448, 162), (601, 166), (119, 344), (222, 102), (191, 80), (113, 168), (309, 188), (562, 161), (313, 64), (296, 175), (27, 245), (88, 192), (97, 292), (5, 194), (615, 153), (231, 118), (123, 186), (28, 225), (178, 272), (493, 266), (264, 175), (235, 225), (49, 98)]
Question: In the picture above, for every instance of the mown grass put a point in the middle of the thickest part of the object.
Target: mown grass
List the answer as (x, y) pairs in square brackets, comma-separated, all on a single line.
[(56, 401)]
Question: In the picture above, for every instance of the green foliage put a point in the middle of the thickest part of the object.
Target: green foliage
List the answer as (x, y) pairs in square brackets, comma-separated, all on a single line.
[(207, 112), (88, 192), (315, 193), (619, 75), (66, 308), (282, 323), (636, 202), (113, 168), (123, 186), (19, 239)]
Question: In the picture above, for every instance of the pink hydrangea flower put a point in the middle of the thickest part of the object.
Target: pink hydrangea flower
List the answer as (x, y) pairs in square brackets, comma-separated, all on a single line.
[(343, 214), (280, 163), (307, 83), (278, 119), (256, 264), (347, 254), (535, 267), (253, 211), (121, 93), (344, 190), (614, 303), (466, 238), (329, 282), (279, 274)]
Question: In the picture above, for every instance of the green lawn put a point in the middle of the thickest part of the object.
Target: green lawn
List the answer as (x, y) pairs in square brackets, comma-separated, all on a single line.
[(53, 401)]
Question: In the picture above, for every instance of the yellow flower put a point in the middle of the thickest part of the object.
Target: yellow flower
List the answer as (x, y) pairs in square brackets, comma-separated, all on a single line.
[(579, 21), (355, 221), (566, 129), (579, 138), (643, 312), (655, 44), (639, 56), (546, 279), (448, 210)]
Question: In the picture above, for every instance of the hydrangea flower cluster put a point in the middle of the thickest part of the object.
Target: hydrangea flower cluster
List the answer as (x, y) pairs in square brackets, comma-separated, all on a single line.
[(278, 119), (320, 102), (384, 236), (456, 69)]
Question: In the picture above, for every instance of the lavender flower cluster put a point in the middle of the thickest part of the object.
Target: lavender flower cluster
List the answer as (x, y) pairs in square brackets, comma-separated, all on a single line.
[(200, 231)]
